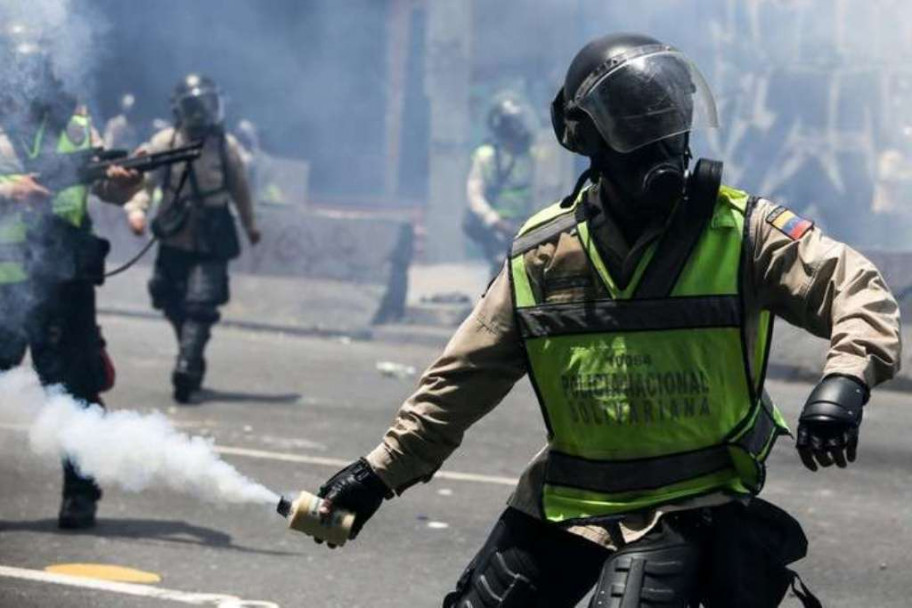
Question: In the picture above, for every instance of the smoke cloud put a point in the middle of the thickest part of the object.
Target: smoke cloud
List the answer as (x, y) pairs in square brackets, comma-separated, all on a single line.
[(124, 448), (70, 32)]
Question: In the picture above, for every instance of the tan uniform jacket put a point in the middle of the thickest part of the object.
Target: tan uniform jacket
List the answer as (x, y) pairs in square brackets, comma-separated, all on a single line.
[(227, 181), (813, 282)]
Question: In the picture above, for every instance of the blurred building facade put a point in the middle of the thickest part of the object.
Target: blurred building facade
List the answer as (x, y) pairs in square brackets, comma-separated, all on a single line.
[(384, 100)]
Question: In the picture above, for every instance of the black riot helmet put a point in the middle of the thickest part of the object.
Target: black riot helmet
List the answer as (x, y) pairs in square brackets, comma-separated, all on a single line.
[(629, 103), (27, 78), (508, 122), (197, 104)]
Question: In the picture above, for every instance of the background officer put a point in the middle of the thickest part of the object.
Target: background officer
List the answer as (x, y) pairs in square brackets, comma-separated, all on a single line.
[(121, 131), (501, 180), (49, 260), (195, 225), (650, 371)]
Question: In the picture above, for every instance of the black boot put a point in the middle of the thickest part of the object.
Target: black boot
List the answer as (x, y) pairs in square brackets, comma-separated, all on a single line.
[(190, 367), (80, 500)]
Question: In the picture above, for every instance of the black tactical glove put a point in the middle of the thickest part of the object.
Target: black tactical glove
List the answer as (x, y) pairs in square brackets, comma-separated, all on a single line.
[(356, 488), (828, 426)]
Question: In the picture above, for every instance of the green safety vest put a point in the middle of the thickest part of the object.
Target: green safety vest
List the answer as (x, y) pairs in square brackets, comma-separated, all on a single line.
[(508, 182), (70, 204), (647, 401)]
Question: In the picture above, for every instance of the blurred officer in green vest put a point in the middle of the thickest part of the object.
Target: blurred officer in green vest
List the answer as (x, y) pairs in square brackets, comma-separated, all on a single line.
[(501, 181), (50, 262)]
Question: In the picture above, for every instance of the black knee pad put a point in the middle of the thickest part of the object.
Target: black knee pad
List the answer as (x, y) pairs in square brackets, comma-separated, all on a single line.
[(502, 580), (207, 283), (656, 571)]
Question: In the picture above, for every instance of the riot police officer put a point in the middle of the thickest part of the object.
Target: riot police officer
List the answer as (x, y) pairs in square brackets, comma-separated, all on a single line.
[(500, 182), (195, 224), (641, 307), (50, 261)]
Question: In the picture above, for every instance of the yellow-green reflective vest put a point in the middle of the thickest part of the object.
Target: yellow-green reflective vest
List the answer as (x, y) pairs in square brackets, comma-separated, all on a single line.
[(70, 204), (647, 401), (508, 181)]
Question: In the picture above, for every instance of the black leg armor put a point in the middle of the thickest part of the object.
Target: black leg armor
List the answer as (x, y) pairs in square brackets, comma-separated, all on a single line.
[(66, 347), (527, 563), (65, 341), (12, 348), (502, 580), (189, 288), (14, 302), (75, 484), (169, 280), (191, 363), (661, 569)]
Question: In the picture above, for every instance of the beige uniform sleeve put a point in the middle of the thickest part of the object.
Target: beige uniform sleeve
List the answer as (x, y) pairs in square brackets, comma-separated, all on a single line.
[(237, 184), (475, 190), (831, 290), (142, 200), (479, 366)]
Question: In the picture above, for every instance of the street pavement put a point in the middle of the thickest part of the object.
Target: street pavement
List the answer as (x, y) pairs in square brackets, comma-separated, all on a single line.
[(289, 410)]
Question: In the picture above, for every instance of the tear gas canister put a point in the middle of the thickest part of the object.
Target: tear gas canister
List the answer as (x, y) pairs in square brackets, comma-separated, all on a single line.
[(303, 515)]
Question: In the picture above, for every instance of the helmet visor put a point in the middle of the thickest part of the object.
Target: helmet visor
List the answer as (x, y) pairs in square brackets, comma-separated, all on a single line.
[(652, 94)]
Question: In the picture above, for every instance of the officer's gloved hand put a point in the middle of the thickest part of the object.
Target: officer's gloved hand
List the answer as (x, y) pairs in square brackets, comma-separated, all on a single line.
[(828, 426), (356, 488)]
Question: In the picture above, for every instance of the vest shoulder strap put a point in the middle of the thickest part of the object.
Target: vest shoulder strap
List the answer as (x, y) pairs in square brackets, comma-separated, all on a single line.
[(734, 199), (690, 219), (548, 223)]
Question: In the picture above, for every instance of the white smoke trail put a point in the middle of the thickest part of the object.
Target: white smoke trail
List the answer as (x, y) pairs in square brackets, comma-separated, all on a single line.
[(131, 450)]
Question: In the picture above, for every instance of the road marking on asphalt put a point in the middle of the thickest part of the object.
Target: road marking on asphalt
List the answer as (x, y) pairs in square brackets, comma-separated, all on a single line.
[(106, 572), (322, 461), (335, 462), (184, 597)]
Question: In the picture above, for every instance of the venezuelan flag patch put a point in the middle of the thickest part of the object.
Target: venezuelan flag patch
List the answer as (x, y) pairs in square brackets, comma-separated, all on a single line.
[(793, 226)]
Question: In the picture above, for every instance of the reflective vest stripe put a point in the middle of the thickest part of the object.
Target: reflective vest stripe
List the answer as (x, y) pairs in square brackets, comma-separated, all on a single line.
[(634, 475), (12, 255), (536, 237), (522, 288), (629, 315), (71, 204), (756, 436), (651, 473)]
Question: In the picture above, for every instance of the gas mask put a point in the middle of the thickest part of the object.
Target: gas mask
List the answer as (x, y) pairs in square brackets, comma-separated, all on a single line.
[(649, 180), (201, 113), (197, 105)]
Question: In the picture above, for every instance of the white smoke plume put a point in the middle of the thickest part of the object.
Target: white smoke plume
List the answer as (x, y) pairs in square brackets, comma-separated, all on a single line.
[(125, 448)]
